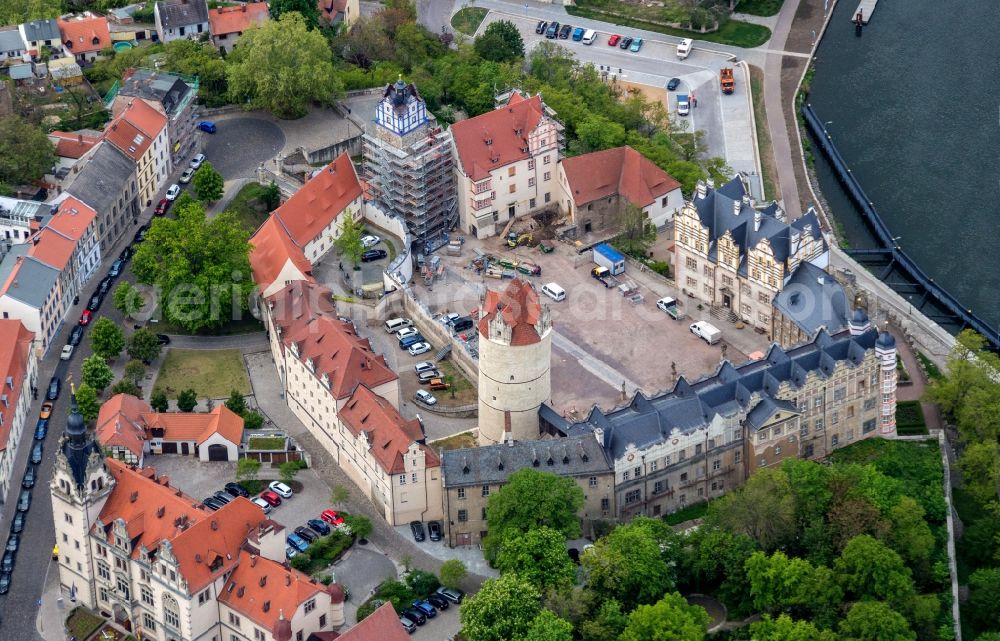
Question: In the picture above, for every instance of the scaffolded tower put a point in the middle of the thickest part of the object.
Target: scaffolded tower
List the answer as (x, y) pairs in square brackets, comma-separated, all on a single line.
[(408, 165)]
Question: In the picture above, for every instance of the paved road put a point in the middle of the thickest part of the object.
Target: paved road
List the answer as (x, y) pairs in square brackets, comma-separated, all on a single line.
[(241, 144)]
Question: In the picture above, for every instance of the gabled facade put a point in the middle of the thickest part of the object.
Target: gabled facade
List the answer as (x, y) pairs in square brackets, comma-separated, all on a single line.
[(32, 292), (731, 255), (12, 46), (227, 24), (84, 36), (39, 34), (170, 94), (507, 164), (178, 19), (18, 374)]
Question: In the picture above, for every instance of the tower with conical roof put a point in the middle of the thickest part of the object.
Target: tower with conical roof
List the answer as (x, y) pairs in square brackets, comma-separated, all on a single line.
[(515, 363), (80, 485)]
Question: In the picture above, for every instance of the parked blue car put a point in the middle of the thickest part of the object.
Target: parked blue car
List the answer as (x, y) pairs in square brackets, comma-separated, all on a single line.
[(410, 340), (319, 526), (297, 542), (207, 126), (41, 429), (578, 33), (426, 608)]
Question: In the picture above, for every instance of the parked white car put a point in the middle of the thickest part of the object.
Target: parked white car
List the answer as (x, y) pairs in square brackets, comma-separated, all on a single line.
[(67, 353), (419, 348), (173, 192), (280, 489), (186, 176), (425, 397), (407, 332), (424, 366), (370, 241), (197, 161), (262, 504)]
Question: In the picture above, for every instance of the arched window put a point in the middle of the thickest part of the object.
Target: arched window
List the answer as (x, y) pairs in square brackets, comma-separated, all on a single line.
[(171, 613)]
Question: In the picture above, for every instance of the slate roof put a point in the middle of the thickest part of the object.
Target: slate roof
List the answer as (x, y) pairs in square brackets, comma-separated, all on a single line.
[(103, 178), (813, 299), (166, 88), (717, 212), (731, 389), (10, 40), (30, 281), (41, 30), (579, 455), (182, 13), (237, 19)]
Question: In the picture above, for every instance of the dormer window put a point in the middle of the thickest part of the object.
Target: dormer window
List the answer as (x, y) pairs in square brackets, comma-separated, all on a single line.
[(310, 365)]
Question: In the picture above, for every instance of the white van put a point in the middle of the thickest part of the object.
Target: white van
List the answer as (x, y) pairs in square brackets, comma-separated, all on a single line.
[(554, 291), (393, 325), (684, 48), (707, 332), (589, 36)]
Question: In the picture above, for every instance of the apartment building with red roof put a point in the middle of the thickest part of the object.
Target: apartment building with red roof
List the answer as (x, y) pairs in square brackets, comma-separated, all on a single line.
[(140, 132), (227, 24), (596, 187), (18, 374), (72, 150), (507, 164), (275, 259), (84, 36), (381, 625)]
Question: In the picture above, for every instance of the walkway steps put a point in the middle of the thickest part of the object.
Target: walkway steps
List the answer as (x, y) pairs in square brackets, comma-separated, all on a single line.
[(866, 8)]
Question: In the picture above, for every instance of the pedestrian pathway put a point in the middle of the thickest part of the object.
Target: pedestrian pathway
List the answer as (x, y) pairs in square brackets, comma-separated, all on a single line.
[(917, 390)]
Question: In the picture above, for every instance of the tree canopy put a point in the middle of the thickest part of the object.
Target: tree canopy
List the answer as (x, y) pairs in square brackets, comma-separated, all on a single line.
[(106, 338), (628, 565), (143, 345), (538, 556), (207, 183), (26, 153), (502, 610), (670, 619), (127, 299), (305, 8), (763, 509), (95, 373), (533, 499), (500, 42)]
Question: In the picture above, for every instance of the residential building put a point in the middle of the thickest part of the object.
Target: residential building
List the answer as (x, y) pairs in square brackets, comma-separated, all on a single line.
[(507, 164), (140, 132), (140, 552), (108, 185), (173, 95), (73, 149), (275, 260), (227, 24), (811, 300), (706, 437), (596, 188), (20, 218), (336, 12), (39, 35), (11, 44), (128, 429), (176, 19), (408, 165), (471, 476), (731, 255), (381, 625), (68, 242), (84, 36), (19, 372), (515, 361), (30, 293)]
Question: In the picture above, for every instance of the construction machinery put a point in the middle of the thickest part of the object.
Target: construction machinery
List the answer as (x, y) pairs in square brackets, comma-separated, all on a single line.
[(726, 81), (515, 240)]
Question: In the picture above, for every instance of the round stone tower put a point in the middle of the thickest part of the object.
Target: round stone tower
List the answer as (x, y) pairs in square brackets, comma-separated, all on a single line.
[(515, 359), (885, 351)]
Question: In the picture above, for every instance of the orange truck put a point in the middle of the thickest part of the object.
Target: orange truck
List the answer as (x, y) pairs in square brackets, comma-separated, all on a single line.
[(726, 81)]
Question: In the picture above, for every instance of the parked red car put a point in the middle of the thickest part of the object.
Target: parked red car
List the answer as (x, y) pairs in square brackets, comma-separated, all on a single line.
[(271, 498), (85, 317), (613, 40), (162, 207), (331, 517)]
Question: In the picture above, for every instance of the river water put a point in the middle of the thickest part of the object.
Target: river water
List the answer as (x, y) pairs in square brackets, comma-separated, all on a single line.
[(915, 110)]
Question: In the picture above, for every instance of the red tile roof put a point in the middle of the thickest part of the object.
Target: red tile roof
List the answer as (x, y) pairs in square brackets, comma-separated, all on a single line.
[(144, 117), (52, 248), (127, 138), (320, 201), (622, 171), (15, 349), (520, 309), (55, 243), (305, 314), (211, 547), (119, 423), (330, 8), (389, 435), (491, 140), (73, 145), (381, 625), (272, 249), (85, 34), (197, 427), (237, 19), (72, 219), (265, 591)]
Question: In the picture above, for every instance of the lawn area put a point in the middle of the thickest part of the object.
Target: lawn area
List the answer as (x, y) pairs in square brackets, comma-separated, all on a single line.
[(468, 19), (464, 390), (248, 207), (695, 511), (274, 443), (81, 623), (933, 373), (211, 373), (768, 170), (734, 32), (456, 442), (759, 7), (910, 418)]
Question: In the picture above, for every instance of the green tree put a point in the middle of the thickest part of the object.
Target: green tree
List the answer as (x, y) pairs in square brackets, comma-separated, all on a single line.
[(868, 569), (207, 182), (203, 60), (127, 299), (361, 526), (533, 499), (980, 465), (669, 619), (910, 536), (984, 597), (270, 196), (95, 372), (637, 233), (158, 401), (502, 610), (716, 563), (247, 469), (236, 402), (597, 132), (288, 470), (608, 623), (500, 42), (349, 242), (282, 67), (106, 339), (305, 8), (201, 267), (186, 400), (548, 627), (784, 628), (253, 420), (87, 403), (143, 345), (875, 621), (763, 509), (339, 494), (968, 392), (628, 565), (26, 153), (538, 556), (134, 371), (779, 583), (452, 572), (126, 386)]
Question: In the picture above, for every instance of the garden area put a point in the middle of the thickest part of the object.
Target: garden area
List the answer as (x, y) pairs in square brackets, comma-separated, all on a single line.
[(212, 373), (416, 585), (81, 623), (455, 442), (323, 553), (253, 203), (467, 19), (910, 418)]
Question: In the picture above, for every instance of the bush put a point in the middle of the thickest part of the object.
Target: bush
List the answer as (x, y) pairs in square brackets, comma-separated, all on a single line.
[(322, 553), (422, 583), (253, 420), (368, 607), (910, 418)]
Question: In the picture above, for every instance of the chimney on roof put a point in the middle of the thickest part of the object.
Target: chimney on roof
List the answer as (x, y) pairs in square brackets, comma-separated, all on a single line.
[(79, 138), (779, 213), (288, 579), (737, 205), (243, 7), (756, 221), (253, 560), (702, 189)]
